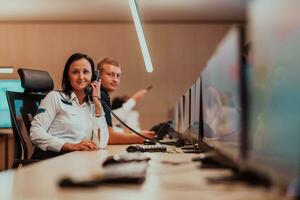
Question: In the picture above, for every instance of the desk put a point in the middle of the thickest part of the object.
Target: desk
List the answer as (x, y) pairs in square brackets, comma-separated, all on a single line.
[(6, 132), (163, 181)]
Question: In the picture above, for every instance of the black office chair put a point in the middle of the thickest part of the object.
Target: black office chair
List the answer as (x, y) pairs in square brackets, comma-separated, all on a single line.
[(23, 107)]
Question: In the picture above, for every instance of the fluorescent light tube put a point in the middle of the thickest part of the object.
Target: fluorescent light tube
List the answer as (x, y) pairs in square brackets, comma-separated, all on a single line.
[(141, 36), (6, 70)]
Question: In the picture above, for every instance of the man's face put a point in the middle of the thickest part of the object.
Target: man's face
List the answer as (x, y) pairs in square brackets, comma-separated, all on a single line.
[(110, 77)]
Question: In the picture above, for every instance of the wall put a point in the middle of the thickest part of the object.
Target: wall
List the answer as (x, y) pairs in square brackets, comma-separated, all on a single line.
[(179, 52)]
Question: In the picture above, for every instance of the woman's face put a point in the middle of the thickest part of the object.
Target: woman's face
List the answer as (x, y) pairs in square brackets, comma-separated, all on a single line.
[(80, 74)]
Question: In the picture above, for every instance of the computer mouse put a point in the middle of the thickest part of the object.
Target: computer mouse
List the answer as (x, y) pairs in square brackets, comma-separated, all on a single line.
[(110, 160), (132, 149)]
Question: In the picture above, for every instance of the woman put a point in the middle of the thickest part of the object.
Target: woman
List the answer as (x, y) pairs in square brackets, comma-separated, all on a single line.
[(68, 120)]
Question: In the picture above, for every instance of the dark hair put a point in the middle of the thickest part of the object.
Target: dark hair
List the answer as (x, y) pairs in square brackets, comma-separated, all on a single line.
[(65, 84), (117, 102)]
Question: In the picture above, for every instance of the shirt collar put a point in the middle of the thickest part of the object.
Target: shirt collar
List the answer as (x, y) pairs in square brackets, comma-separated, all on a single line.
[(73, 98)]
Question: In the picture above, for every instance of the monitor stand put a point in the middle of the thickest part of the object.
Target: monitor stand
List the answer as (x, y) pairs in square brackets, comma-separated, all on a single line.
[(246, 176), (212, 160), (196, 148)]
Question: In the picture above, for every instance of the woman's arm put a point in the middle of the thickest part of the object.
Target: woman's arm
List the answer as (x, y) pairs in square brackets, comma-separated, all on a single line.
[(100, 134), (42, 121)]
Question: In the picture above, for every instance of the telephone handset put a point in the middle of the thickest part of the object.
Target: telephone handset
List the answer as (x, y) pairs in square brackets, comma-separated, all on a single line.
[(89, 90)]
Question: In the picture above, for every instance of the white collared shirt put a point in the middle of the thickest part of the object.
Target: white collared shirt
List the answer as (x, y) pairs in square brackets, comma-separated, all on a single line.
[(60, 119), (127, 115)]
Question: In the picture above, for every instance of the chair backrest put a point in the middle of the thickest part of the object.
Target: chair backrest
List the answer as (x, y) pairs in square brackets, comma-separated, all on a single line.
[(23, 107)]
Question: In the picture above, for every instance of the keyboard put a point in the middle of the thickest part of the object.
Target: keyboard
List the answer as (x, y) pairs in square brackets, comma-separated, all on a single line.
[(124, 158), (134, 172), (146, 148)]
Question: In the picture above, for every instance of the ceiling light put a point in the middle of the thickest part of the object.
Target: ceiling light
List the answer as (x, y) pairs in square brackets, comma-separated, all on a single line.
[(141, 36), (6, 70)]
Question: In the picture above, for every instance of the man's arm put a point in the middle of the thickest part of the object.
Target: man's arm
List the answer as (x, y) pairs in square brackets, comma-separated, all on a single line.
[(125, 138), (120, 138)]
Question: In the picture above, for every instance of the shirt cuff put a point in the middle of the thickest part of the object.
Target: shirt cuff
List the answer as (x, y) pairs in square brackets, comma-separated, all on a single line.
[(104, 134), (55, 145)]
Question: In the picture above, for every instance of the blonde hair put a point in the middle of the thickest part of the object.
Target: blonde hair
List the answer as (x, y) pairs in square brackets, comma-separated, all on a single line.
[(109, 61)]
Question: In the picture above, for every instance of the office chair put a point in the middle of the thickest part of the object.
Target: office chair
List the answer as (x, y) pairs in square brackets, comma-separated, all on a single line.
[(23, 107)]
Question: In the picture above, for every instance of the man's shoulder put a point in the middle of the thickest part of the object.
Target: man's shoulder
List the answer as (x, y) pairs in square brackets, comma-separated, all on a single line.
[(104, 94)]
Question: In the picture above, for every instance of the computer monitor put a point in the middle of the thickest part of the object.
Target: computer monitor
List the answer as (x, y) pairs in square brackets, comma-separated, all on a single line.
[(193, 106), (11, 85), (195, 119), (222, 98), (191, 130), (186, 109), (176, 117), (179, 116), (274, 88), (186, 114)]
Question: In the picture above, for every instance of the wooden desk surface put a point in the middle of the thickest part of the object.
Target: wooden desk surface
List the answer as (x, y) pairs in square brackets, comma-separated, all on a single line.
[(181, 181)]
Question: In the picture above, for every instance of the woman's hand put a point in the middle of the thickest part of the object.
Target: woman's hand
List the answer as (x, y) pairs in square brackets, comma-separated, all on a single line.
[(86, 145), (96, 97), (96, 89)]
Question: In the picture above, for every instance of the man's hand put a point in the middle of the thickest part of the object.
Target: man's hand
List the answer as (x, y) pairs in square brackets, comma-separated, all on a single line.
[(149, 134), (139, 94), (86, 145)]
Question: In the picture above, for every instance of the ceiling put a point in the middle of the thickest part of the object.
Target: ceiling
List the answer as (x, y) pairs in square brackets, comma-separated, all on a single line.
[(118, 10)]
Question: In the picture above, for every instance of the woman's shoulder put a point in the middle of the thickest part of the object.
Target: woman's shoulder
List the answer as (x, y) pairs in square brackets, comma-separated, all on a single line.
[(55, 95), (56, 99)]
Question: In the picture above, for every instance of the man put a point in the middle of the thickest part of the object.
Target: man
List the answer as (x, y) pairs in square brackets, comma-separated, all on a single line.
[(110, 74)]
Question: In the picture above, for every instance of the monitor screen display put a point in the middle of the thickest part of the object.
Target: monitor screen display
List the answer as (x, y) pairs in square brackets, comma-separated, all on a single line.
[(181, 125), (186, 110), (186, 114), (193, 105), (176, 117), (10, 85), (195, 109), (221, 82), (274, 88)]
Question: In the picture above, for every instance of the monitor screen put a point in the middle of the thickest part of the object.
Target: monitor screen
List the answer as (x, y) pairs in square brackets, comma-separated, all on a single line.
[(11, 85), (274, 89), (181, 116), (195, 109), (221, 86), (196, 122), (176, 117), (186, 110), (193, 104), (186, 114)]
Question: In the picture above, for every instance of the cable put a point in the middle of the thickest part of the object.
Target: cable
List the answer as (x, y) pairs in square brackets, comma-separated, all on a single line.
[(131, 129)]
